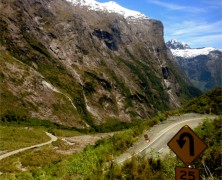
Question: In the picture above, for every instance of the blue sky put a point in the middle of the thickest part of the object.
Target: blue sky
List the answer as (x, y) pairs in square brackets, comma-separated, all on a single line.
[(196, 22)]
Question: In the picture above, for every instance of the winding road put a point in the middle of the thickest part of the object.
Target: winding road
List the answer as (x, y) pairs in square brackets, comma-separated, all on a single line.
[(53, 138), (160, 135)]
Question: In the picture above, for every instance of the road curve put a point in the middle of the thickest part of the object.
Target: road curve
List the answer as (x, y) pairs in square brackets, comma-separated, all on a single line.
[(53, 138), (160, 135)]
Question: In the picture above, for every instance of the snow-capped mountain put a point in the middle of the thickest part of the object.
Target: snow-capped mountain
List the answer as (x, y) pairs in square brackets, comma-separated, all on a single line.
[(190, 53), (110, 7), (174, 44), (202, 65), (84, 63), (179, 49)]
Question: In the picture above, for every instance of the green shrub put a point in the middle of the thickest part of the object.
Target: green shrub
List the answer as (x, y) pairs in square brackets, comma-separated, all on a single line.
[(210, 102), (211, 132)]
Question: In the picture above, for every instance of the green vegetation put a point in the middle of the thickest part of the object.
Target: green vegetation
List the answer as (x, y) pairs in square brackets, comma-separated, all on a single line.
[(105, 84), (53, 71), (29, 160), (210, 102), (123, 88), (211, 133), (35, 45), (95, 162), (2, 31), (62, 132), (30, 50), (164, 168), (89, 88), (81, 108), (12, 118), (86, 164), (8, 100), (136, 125), (142, 169), (12, 137), (149, 83), (186, 92)]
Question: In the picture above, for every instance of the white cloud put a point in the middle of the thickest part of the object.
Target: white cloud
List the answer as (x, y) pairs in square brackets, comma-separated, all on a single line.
[(213, 4), (207, 41), (176, 7), (198, 23), (194, 28), (195, 33)]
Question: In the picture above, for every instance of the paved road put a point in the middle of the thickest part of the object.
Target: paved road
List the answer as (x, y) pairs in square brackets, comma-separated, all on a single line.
[(160, 135), (53, 138)]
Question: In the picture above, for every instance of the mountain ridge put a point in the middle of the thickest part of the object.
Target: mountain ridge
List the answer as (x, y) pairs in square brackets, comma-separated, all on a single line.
[(174, 44), (184, 50), (109, 69), (202, 65), (110, 6)]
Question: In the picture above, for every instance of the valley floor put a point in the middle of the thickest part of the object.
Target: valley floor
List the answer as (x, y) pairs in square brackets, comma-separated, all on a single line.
[(69, 142)]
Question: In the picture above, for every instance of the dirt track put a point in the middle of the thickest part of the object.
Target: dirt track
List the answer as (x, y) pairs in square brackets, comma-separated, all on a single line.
[(53, 138)]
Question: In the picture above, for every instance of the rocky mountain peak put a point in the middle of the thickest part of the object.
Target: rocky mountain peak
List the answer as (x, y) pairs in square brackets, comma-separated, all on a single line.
[(179, 49), (110, 7), (174, 44), (202, 65), (81, 63)]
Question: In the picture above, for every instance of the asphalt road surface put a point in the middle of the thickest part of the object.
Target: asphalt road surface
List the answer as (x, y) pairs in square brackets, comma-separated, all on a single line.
[(160, 135)]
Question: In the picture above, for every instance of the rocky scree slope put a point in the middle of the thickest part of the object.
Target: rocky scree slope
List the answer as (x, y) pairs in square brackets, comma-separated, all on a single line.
[(82, 67), (202, 65)]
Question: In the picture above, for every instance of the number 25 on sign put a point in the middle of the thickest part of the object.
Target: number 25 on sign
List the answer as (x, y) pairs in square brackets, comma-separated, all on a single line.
[(184, 173)]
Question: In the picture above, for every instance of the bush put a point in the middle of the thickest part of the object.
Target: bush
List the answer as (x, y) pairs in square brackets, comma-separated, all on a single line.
[(11, 116), (210, 102), (211, 132)]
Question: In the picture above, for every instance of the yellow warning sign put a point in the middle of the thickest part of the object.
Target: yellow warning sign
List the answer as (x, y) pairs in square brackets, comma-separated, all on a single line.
[(187, 145)]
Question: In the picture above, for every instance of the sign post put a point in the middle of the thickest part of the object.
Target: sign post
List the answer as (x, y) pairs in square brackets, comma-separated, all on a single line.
[(187, 146)]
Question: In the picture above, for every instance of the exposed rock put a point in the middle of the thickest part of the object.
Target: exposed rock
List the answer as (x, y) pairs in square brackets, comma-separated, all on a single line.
[(204, 71), (202, 65), (165, 72), (174, 44), (106, 66)]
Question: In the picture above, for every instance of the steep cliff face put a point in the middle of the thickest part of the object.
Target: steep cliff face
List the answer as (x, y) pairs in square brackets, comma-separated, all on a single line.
[(202, 65), (204, 71), (82, 67)]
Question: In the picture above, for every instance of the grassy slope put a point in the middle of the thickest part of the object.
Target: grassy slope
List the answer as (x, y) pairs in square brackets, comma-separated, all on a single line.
[(24, 99), (93, 159), (12, 137), (210, 102), (84, 164)]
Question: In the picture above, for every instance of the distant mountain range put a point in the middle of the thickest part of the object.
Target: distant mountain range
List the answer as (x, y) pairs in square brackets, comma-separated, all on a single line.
[(202, 65), (174, 44)]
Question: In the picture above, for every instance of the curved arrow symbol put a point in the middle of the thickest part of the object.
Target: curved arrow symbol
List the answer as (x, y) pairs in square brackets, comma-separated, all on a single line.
[(181, 142)]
